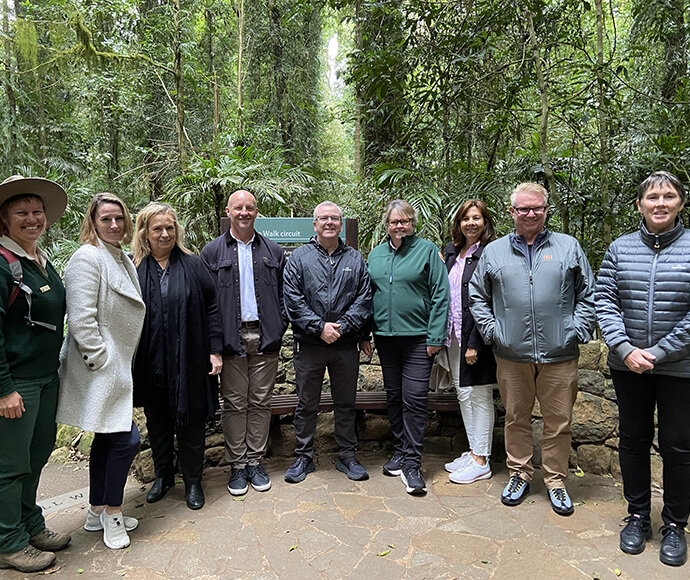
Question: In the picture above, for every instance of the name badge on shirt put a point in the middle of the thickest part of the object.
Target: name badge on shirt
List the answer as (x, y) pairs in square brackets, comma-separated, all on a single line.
[(45, 288)]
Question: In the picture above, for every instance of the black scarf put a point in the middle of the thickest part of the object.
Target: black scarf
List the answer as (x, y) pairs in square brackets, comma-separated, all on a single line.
[(173, 353)]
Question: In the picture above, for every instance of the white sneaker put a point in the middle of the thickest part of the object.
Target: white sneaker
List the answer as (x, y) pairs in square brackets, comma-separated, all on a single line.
[(471, 472), (93, 522), (114, 533), (458, 462)]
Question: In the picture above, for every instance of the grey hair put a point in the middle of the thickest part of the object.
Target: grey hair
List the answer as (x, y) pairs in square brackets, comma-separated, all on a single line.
[(403, 208), (325, 203), (661, 178), (530, 187)]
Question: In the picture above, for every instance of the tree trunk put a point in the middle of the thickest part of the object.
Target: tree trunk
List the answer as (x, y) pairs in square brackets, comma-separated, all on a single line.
[(358, 104), (602, 118), (544, 121), (9, 90), (179, 85), (240, 50)]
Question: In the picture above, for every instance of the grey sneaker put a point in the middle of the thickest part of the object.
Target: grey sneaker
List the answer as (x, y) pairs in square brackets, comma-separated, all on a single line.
[(560, 501), (48, 541), (237, 485), (393, 467), (29, 559), (299, 469), (114, 533), (93, 522), (351, 467), (258, 477), (515, 491)]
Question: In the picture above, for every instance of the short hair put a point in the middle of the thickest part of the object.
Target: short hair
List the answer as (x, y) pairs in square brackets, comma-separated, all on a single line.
[(88, 234), (140, 244), (661, 178), (487, 235), (325, 203), (7, 206), (403, 208), (530, 187)]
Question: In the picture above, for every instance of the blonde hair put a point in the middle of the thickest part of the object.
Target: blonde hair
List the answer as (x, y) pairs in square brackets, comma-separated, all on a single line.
[(140, 246), (530, 187), (88, 234), (403, 208)]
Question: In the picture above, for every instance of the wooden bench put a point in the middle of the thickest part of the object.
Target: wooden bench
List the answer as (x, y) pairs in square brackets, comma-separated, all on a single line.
[(366, 400)]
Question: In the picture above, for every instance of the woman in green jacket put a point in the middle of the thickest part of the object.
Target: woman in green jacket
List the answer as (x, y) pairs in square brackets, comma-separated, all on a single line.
[(410, 304)]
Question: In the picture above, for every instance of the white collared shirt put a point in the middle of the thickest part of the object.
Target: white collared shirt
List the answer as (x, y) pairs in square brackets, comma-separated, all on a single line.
[(245, 261)]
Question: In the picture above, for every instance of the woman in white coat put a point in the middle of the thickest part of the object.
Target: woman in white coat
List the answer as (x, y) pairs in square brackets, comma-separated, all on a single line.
[(105, 314)]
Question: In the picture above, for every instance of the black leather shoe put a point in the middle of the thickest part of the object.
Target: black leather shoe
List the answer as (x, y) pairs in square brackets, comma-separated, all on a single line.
[(635, 534), (195, 496), (674, 548), (159, 488)]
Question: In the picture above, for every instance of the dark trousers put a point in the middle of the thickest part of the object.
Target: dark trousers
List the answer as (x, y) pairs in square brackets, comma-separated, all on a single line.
[(25, 445), (311, 362), (111, 458), (638, 395), (191, 439), (406, 369)]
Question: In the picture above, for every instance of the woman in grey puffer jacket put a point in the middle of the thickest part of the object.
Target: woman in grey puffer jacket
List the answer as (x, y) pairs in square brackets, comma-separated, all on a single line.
[(642, 298)]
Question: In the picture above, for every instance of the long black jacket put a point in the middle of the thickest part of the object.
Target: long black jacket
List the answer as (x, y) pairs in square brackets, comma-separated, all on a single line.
[(483, 372), (322, 288), (221, 259)]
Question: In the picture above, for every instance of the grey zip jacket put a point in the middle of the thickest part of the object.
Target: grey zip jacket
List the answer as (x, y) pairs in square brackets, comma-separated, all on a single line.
[(643, 299), (534, 306)]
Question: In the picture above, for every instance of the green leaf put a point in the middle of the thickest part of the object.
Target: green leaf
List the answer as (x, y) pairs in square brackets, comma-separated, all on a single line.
[(579, 472), (384, 553), (292, 548)]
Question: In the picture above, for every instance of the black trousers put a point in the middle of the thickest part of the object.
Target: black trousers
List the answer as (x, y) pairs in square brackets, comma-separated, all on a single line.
[(191, 439), (111, 457), (311, 362), (638, 395), (406, 370)]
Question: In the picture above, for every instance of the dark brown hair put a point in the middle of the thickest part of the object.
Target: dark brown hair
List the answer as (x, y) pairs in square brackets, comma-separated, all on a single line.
[(486, 236)]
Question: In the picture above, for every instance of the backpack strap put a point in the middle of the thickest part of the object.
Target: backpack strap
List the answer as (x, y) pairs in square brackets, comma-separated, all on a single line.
[(16, 271)]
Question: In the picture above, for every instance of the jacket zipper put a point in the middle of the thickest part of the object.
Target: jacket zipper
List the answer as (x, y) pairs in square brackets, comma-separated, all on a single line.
[(650, 302), (390, 293)]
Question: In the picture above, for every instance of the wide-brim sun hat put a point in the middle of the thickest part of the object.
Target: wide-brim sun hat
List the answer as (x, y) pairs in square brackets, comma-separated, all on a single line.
[(53, 196)]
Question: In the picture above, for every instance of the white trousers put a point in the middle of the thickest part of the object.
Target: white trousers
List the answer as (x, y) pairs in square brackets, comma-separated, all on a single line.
[(476, 406)]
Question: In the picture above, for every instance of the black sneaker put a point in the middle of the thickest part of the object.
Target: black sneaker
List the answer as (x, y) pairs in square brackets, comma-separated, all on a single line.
[(635, 534), (238, 482), (351, 467), (515, 491), (299, 469), (413, 480), (393, 467), (258, 477), (674, 548)]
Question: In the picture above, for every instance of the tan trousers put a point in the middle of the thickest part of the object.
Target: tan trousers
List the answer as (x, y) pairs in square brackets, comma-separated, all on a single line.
[(246, 385), (554, 385)]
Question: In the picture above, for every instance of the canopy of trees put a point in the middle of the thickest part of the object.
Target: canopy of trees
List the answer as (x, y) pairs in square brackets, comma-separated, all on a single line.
[(358, 101)]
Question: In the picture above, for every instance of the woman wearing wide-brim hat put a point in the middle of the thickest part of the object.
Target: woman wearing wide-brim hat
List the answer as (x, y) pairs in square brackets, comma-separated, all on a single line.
[(31, 323)]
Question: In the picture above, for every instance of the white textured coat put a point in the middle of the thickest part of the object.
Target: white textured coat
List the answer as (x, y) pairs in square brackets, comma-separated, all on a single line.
[(105, 315)]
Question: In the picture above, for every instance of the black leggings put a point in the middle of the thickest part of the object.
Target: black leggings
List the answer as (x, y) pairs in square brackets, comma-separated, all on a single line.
[(638, 395), (111, 458)]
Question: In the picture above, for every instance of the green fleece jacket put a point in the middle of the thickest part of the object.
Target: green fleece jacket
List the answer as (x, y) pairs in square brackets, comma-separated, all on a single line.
[(411, 291), (30, 352)]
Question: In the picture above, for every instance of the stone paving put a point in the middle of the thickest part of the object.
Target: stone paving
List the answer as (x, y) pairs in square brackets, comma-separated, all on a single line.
[(330, 527)]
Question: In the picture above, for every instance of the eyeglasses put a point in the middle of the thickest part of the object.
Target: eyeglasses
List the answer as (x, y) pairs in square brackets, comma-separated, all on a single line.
[(324, 218), (393, 223), (539, 210)]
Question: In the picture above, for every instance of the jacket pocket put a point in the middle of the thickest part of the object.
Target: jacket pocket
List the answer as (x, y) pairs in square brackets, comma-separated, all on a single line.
[(223, 272)]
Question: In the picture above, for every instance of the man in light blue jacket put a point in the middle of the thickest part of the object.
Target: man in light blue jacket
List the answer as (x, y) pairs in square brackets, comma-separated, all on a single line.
[(532, 299)]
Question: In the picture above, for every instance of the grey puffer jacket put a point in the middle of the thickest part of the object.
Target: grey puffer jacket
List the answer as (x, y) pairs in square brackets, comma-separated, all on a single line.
[(643, 299), (534, 311)]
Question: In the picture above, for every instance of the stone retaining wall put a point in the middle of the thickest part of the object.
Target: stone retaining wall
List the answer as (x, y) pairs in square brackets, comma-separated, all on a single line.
[(595, 423)]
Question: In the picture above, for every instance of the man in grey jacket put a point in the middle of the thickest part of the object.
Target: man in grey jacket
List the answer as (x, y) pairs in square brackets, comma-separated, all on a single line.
[(532, 299), (327, 296)]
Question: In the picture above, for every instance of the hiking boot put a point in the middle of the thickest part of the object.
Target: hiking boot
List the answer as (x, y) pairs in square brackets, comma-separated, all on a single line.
[(258, 477), (515, 491), (414, 482), (29, 559), (114, 532), (393, 467), (635, 534), (351, 467), (457, 463), (470, 472), (560, 501), (674, 548), (93, 522), (237, 485), (48, 541), (299, 469)]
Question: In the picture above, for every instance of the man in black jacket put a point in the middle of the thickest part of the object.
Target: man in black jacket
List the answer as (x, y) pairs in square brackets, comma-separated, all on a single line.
[(328, 301), (247, 270)]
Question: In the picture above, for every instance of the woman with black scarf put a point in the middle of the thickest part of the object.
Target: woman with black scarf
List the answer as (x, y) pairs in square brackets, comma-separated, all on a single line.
[(180, 352)]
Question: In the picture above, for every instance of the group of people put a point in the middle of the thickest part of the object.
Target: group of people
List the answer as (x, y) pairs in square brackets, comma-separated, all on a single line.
[(159, 328)]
